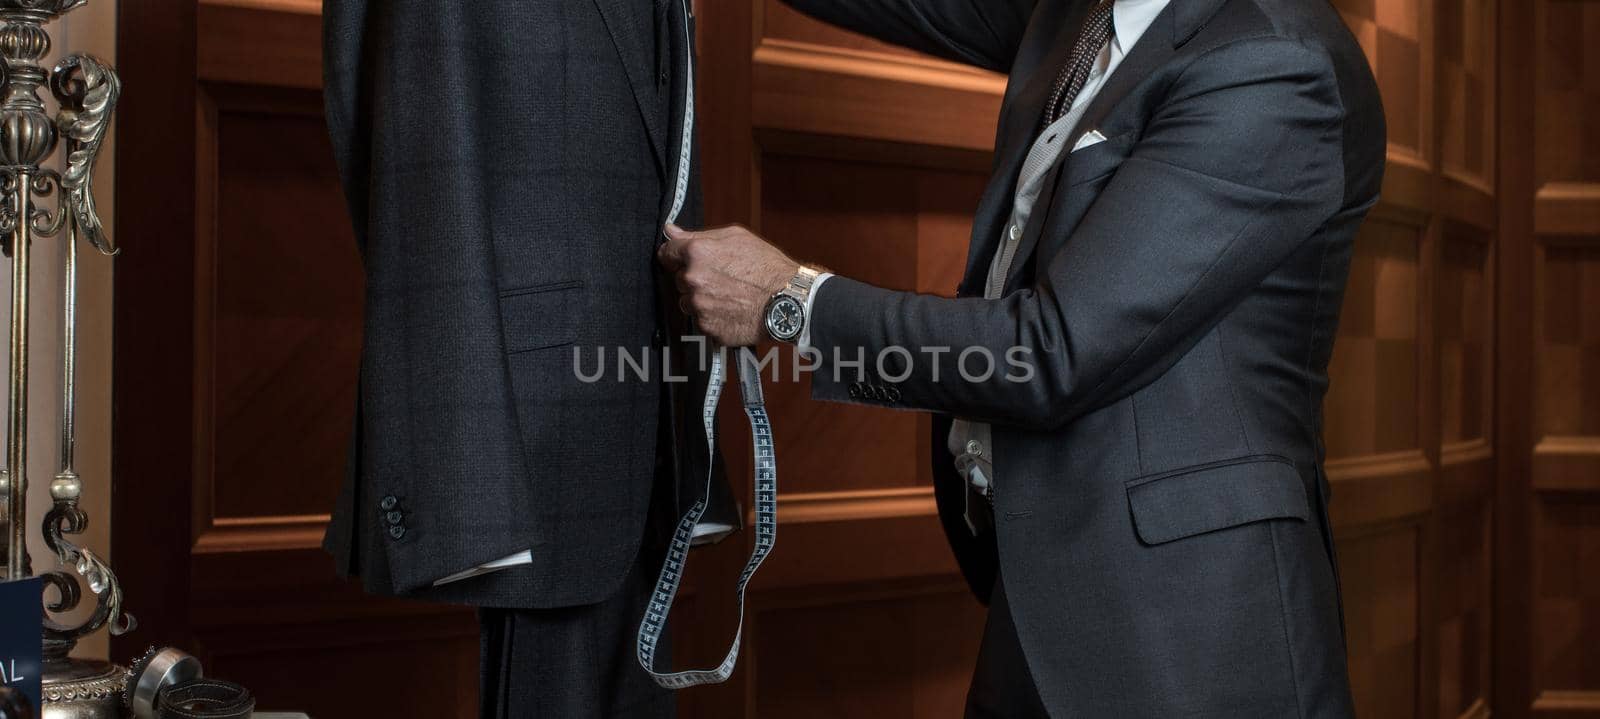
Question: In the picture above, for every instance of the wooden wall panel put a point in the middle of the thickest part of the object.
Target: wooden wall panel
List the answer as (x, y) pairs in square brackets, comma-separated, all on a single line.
[(1373, 406), (1466, 79), (1464, 327), (1463, 526), (1380, 571), (1570, 352), (287, 320), (1568, 609), (881, 658), (1568, 144), (894, 226), (1461, 428), (780, 23), (1411, 459), (1397, 37), (1464, 538), (1564, 621), (1377, 412)]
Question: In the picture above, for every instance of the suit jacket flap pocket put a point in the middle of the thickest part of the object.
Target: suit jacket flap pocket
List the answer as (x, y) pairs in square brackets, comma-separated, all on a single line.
[(1197, 500), (540, 316)]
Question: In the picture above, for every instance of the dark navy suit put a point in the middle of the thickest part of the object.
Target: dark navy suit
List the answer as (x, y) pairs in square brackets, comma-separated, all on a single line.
[(1160, 524)]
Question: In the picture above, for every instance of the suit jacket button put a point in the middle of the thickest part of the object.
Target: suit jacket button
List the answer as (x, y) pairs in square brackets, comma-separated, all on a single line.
[(389, 503), (855, 390), (397, 531), (394, 517), (894, 394)]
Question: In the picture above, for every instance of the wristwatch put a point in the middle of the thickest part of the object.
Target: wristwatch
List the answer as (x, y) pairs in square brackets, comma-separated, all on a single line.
[(786, 311)]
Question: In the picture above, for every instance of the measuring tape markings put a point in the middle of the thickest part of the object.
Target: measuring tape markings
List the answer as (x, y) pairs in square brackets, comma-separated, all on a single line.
[(766, 470)]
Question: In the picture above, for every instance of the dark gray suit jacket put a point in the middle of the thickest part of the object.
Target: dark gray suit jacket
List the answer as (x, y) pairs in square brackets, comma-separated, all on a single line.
[(1160, 513), (506, 166)]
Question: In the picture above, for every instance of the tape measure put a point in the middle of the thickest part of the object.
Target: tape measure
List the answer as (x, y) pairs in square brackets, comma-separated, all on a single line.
[(766, 468)]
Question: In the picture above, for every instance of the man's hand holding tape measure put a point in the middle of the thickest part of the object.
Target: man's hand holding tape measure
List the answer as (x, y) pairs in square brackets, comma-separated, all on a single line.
[(738, 287)]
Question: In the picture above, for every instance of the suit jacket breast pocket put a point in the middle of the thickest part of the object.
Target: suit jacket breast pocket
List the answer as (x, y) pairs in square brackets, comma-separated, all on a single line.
[(1196, 500), (541, 316), (1099, 160)]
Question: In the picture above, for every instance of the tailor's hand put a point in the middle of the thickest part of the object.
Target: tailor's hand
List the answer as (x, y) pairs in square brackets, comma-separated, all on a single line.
[(725, 277)]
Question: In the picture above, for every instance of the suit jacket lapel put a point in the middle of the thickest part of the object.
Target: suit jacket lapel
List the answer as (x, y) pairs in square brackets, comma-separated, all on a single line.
[(628, 25), (1152, 51)]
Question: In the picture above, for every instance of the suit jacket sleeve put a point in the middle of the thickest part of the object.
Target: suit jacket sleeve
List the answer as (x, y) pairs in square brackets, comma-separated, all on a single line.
[(985, 33), (342, 35), (408, 184), (1239, 165)]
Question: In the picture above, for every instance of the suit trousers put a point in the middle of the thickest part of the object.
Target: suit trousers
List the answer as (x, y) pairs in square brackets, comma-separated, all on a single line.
[(1002, 685), (580, 662), (572, 662)]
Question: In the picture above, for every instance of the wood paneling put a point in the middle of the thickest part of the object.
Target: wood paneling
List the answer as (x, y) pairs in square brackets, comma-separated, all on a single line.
[(1563, 614), (152, 371), (1464, 536), (263, 285), (1373, 406), (286, 321), (894, 226), (1397, 36), (1465, 74), (1410, 405), (1464, 330), (1515, 337), (1461, 423), (1568, 611), (1381, 571), (879, 658)]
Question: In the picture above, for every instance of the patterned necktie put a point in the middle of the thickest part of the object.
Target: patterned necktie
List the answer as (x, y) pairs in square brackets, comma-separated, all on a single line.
[(1098, 29)]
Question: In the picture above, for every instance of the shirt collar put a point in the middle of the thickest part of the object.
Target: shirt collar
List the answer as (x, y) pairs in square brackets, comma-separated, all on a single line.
[(1131, 18)]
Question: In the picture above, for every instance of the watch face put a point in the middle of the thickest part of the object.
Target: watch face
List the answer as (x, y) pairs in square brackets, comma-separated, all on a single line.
[(785, 318)]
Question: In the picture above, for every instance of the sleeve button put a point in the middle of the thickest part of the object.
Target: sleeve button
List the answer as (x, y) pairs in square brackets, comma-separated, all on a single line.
[(389, 503), (394, 517), (397, 531)]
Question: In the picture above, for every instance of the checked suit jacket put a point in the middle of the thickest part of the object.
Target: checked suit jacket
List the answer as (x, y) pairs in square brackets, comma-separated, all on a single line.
[(508, 168)]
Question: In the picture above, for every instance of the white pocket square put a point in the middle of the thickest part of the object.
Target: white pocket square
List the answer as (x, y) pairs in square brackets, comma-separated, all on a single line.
[(1089, 139)]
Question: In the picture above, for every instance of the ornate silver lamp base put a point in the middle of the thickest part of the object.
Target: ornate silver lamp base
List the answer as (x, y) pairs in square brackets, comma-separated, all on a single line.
[(86, 92), (82, 689)]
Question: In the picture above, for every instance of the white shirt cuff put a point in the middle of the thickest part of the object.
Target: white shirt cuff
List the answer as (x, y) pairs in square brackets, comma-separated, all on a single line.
[(804, 343)]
